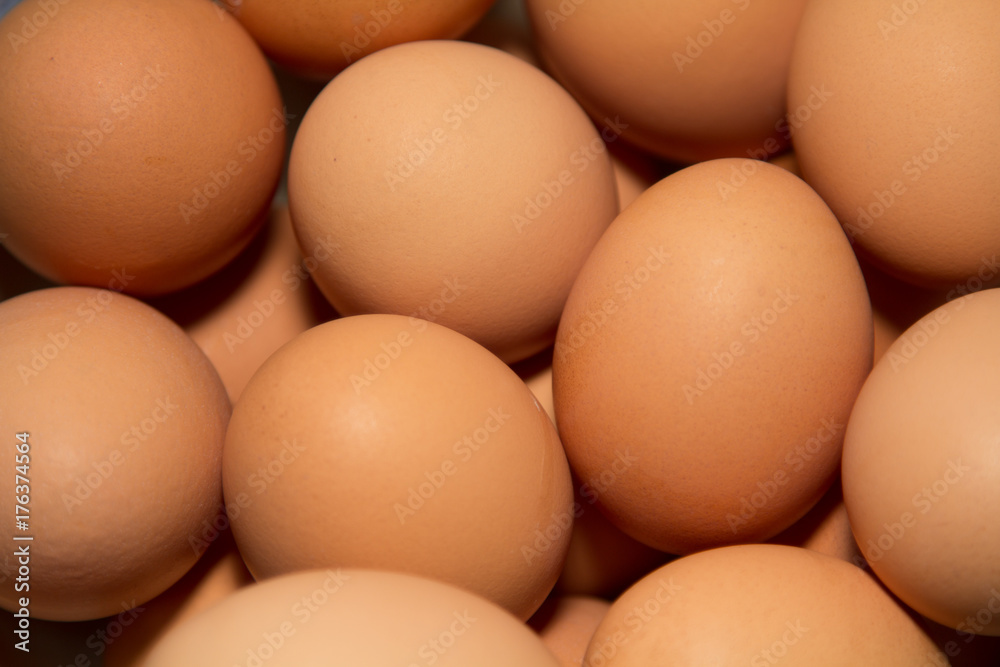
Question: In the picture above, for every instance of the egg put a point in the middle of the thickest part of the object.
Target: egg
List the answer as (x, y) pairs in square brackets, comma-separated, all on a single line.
[(352, 617), (758, 605), (709, 355), (256, 304), (896, 128), (687, 80), (389, 442), (460, 184), (318, 39), (140, 144), (566, 624), (115, 421), (922, 462)]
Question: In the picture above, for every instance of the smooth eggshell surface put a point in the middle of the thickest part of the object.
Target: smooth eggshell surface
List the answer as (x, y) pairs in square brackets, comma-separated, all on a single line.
[(392, 442)]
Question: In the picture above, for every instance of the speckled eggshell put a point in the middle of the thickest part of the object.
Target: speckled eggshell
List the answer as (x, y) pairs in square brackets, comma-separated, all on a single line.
[(709, 355), (922, 465), (462, 185), (140, 141), (566, 625), (318, 38), (391, 442), (256, 304), (691, 79), (126, 419), (898, 131), (352, 617), (758, 605)]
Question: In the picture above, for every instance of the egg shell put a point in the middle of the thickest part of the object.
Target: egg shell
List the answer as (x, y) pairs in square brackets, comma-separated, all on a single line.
[(928, 413), (715, 339), (690, 80), (140, 141), (756, 605), (256, 304), (352, 617), (898, 131), (392, 442), (125, 419), (461, 184), (566, 624), (318, 39)]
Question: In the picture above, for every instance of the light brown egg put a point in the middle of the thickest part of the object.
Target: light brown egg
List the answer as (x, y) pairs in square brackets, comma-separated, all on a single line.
[(256, 304), (709, 355), (216, 576), (566, 624), (352, 617), (462, 186), (897, 130), (922, 465), (316, 38), (825, 529), (392, 442), (759, 605), (688, 80), (141, 142), (125, 419)]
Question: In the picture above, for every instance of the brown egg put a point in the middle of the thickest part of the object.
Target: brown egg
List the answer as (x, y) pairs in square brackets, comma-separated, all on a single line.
[(922, 465), (259, 302), (216, 576), (709, 355), (352, 617), (391, 442), (462, 186), (897, 130), (686, 80), (317, 39), (759, 605), (566, 624), (602, 560), (141, 141), (825, 529), (120, 421)]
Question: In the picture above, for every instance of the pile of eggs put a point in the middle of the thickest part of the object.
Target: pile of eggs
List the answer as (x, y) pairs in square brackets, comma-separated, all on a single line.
[(328, 337)]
